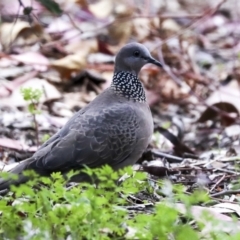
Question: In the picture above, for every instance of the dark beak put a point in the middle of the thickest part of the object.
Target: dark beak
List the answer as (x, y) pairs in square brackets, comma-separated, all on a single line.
[(155, 62)]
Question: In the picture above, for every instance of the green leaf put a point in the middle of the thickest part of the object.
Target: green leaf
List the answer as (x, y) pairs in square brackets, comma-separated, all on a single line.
[(51, 5)]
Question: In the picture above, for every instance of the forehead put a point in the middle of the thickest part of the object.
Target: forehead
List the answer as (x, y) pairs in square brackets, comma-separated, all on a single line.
[(130, 48)]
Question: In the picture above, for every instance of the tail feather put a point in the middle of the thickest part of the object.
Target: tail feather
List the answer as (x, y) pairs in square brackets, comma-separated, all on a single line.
[(5, 183)]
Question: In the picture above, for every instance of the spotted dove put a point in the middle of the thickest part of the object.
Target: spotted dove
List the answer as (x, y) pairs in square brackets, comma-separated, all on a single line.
[(114, 129)]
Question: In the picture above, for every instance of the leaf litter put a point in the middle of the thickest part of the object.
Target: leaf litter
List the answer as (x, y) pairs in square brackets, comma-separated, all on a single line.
[(194, 98)]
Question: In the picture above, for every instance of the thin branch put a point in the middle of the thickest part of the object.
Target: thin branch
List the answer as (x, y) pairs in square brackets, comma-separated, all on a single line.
[(226, 192)]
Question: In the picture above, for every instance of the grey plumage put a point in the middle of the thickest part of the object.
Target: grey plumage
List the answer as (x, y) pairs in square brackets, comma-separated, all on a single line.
[(114, 129)]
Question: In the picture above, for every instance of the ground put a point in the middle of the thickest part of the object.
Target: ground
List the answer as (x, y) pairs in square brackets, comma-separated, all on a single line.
[(66, 49)]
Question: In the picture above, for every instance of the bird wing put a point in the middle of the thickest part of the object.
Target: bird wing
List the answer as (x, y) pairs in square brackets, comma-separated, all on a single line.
[(92, 139)]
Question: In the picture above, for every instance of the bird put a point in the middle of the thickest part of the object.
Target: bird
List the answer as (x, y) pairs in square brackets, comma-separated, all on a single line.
[(114, 129)]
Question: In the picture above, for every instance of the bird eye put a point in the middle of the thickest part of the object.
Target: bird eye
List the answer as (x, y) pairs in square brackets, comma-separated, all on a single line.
[(136, 54)]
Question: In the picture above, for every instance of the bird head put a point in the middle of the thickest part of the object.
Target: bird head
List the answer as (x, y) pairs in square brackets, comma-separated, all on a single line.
[(132, 57)]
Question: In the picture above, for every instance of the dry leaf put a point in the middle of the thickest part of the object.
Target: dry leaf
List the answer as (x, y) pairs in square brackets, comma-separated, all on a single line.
[(9, 32), (121, 29), (212, 114), (77, 61), (170, 25), (229, 206), (102, 8), (226, 99), (35, 59), (142, 28), (16, 145), (229, 94), (16, 99), (12, 72), (7, 87), (156, 168)]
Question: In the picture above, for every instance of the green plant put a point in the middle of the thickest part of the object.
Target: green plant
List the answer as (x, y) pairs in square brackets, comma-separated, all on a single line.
[(44, 208), (45, 137), (33, 97)]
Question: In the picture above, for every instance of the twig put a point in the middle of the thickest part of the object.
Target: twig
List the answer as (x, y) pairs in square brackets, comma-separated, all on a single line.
[(169, 157), (217, 183), (227, 171), (192, 25), (229, 159), (139, 206), (221, 200), (168, 69), (35, 125), (226, 192), (73, 23)]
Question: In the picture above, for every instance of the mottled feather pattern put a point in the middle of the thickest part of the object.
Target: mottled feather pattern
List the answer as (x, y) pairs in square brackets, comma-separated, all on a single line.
[(129, 86), (109, 133)]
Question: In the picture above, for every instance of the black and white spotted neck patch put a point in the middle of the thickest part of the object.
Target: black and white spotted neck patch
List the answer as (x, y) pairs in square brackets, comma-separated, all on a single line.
[(129, 86)]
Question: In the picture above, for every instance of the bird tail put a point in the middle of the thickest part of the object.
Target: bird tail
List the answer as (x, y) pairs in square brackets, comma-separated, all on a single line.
[(18, 170)]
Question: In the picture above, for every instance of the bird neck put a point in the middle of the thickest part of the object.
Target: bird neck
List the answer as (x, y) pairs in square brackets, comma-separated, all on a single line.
[(128, 85)]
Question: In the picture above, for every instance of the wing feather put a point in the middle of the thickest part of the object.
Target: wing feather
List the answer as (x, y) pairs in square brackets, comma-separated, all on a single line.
[(105, 137)]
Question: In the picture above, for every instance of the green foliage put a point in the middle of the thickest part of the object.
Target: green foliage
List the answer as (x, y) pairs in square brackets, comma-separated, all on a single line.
[(44, 208), (30, 94), (166, 124), (45, 137), (33, 97)]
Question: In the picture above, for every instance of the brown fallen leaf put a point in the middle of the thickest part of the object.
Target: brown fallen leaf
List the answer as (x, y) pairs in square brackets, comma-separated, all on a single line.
[(227, 101), (76, 61), (229, 94), (35, 59), (9, 32), (211, 114), (156, 168)]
